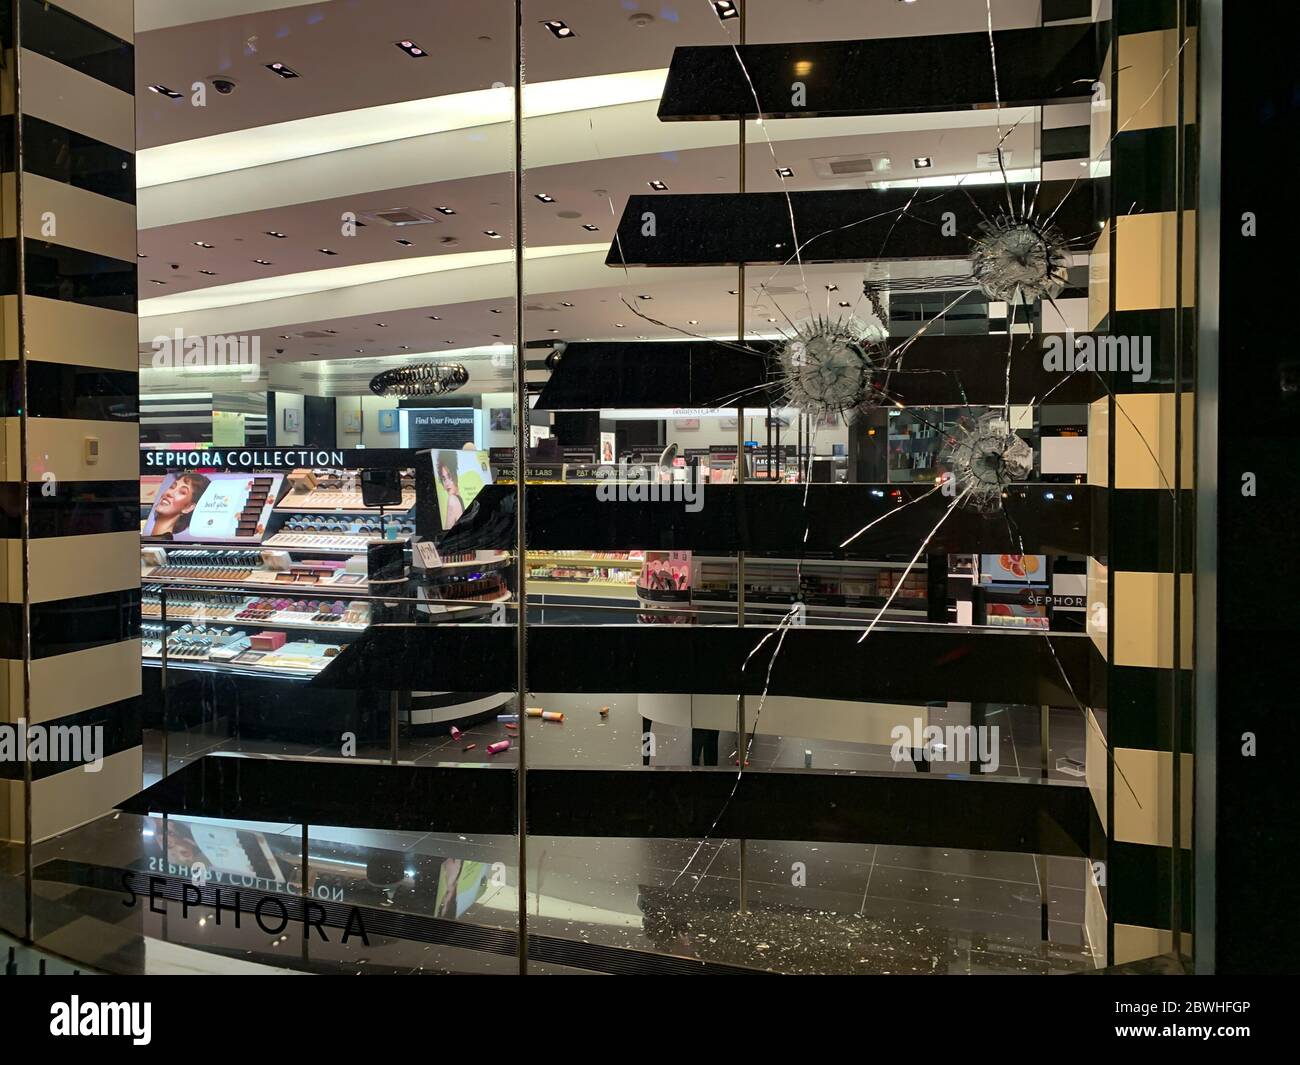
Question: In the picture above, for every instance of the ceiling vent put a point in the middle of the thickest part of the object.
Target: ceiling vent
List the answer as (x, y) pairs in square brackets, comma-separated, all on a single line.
[(399, 216), (989, 160), (838, 167)]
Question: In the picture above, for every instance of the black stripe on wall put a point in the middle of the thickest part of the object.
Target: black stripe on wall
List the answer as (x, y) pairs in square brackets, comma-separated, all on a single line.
[(67, 625), (1141, 710), (1139, 882), (67, 39), (75, 508), (63, 390), (1146, 518), (50, 151), (121, 721), (1143, 169), (1143, 16), (57, 272)]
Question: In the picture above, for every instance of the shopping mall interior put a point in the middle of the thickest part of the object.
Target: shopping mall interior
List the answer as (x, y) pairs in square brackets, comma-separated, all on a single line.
[(695, 487)]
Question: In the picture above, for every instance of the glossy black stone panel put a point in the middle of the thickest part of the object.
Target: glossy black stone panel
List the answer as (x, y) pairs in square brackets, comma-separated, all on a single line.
[(994, 814), (939, 370), (77, 508), (64, 390), (772, 519), (53, 32), (942, 662), (912, 810), (852, 225), (60, 154), (65, 625), (885, 75)]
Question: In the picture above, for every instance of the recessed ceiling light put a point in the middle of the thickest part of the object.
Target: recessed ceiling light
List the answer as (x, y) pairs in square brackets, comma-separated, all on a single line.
[(845, 303), (207, 273), (332, 332), (444, 210), (282, 70), (552, 330), (832, 288), (276, 233), (657, 185), (544, 198), (558, 28), (382, 325), (412, 49), (725, 9), (493, 310), (405, 243), (492, 233), (436, 317), (772, 321), (922, 162), (784, 171), (141, 255), (619, 325), (162, 90), (327, 251), (262, 262), (693, 321), (159, 282), (733, 292), (645, 297), (202, 244), (590, 228), (563, 304)]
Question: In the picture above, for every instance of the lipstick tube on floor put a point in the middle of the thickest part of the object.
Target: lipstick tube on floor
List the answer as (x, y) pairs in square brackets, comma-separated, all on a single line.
[(497, 748), (552, 715)]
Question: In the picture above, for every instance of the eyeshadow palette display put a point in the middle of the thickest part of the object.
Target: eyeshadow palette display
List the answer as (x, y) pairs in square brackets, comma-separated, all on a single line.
[(332, 490), (218, 606), (319, 532), (249, 567)]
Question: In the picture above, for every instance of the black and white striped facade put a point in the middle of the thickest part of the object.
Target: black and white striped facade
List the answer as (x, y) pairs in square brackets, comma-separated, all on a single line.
[(70, 519)]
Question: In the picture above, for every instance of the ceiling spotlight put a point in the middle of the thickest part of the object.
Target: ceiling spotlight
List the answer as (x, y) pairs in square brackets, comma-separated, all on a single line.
[(262, 262), (645, 297), (784, 171), (282, 70), (444, 210), (276, 233), (726, 9), (159, 282), (733, 292), (619, 325), (563, 304), (492, 233), (558, 28), (202, 244), (693, 321), (922, 162), (493, 310), (141, 255), (162, 90), (436, 317), (412, 49), (590, 228), (658, 186), (405, 243), (327, 251), (832, 288), (544, 198), (845, 303), (207, 273)]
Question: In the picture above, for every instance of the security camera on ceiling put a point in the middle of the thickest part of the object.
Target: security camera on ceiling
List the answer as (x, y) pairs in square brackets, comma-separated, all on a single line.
[(225, 86)]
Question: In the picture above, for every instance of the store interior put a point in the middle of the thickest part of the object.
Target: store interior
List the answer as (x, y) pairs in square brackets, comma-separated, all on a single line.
[(333, 368)]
